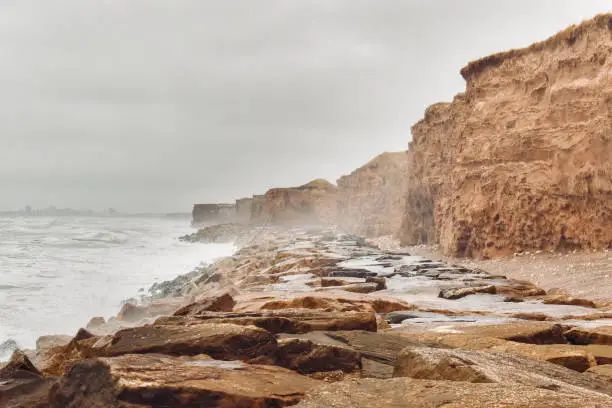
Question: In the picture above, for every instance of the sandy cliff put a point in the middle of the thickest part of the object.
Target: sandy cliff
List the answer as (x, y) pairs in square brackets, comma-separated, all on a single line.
[(523, 159), (315, 202), (371, 199)]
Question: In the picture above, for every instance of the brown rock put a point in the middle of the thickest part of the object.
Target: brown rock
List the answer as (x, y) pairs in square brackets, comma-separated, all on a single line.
[(45, 342), (458, 293), (283, 321), (361, 287), (568, 300), (522, 332), (135, 313), (372, 198), (603, 372), (221, 302), (380, 281), (476, 366), (408, 392), (327, 282), (154, 380), (305, 356), (22, 385), (221, 341), (497, 170), (338, 302), (599, 335)]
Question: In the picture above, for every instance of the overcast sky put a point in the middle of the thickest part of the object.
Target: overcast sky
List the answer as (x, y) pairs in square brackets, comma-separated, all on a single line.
[(151, 105)]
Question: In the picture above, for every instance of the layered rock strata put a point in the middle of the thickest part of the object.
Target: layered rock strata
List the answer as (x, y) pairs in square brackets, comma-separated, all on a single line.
[(522, 159)]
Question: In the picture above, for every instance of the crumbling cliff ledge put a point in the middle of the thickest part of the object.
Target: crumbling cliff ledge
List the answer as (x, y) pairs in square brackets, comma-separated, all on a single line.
[(523, 159)]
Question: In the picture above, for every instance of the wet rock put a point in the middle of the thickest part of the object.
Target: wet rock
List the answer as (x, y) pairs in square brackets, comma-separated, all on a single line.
[(351, 273), (568, 300), (361, 287), (22, 385), (400, 316), (283, 321), (83, 334), (458, 293), (490, 367), (219, 302), (598, 335), (305, 356), (154, 380), (135, 313), (381, 283), (408, 392), (45, 342), (221, 341), (327, 282)]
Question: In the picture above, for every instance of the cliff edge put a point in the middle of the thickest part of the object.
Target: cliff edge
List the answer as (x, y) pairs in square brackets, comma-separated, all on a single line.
[(523, 159)]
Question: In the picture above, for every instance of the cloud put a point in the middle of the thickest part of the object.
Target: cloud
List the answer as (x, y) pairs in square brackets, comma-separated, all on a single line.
[(151, 105)]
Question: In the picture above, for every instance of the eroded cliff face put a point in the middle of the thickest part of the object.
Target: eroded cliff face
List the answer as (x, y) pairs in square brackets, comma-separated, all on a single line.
[(523, 159), (371, 200), (315, 202)]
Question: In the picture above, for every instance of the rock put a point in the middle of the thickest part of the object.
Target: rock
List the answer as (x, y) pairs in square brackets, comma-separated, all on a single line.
[(154, 380), (566, 355), (83, 334), (505, 131), (371, 198), (361, 287), (136, 313), (338, 302), (476, 366), (220, 341), (380, 347), (351, 273), (598, 335), (602, 353), (399, 316), (522, 332), (94, 322), (381, 323), (220, 302), (568, 300), (22, 385), (283, 321), (304, 356), (603, 372), (379, 281), (327, 282), (459, 293), (45, 342), (408, 392)]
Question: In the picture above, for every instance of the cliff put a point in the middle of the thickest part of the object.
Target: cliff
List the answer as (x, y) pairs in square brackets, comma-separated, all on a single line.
[(315, 202), (213, 213), (371, 199), (523, 159)]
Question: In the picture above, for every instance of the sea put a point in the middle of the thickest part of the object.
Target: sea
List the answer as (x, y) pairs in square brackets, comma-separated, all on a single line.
[(58, 272)]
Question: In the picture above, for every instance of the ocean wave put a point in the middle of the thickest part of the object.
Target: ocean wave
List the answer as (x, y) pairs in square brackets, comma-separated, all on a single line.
[(7, 348), (104, 237)]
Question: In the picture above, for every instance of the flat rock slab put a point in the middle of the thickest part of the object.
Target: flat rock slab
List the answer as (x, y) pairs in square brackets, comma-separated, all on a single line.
[(283, 321), (154, 380), (458, 293), (599, 335), (523, 332), (476, 366), (411, 393), (221, 341), (305, 356)]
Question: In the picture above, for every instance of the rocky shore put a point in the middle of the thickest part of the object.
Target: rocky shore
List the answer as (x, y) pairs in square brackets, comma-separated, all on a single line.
[(315, 318)]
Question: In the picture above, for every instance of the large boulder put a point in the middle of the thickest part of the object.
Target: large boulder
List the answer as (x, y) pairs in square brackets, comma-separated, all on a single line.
[(153, 380), (221, 341), (283, 321), (306, 356), (22, 385), (598, 335), (408, 392), (219, 302), (476, 366)]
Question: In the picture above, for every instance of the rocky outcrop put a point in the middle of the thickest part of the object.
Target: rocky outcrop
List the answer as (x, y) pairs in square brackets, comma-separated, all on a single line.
[(372, 198), (203, 214), (312, 203), (521, 160)]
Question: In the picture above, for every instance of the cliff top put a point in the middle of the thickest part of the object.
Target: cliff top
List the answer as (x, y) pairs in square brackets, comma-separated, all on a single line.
[(566, 37)]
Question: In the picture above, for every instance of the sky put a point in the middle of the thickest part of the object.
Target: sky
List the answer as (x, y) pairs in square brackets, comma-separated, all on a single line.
[(153, 105)]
